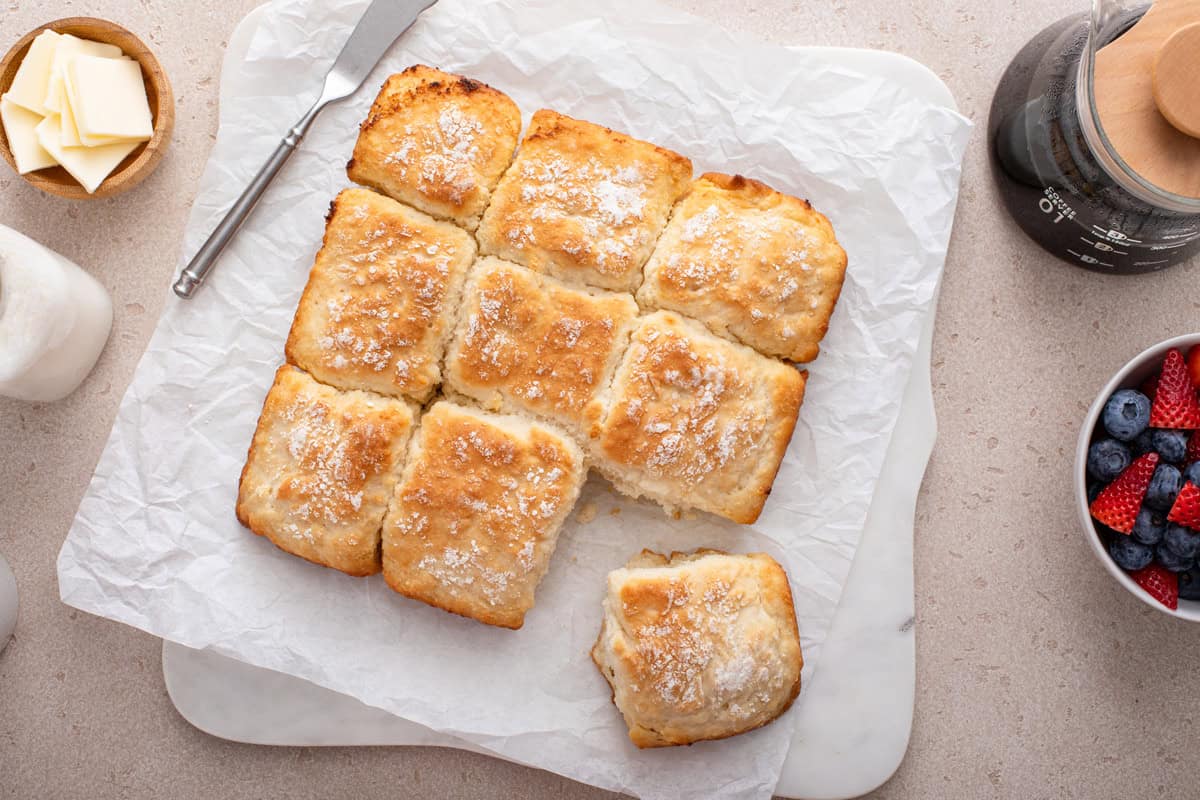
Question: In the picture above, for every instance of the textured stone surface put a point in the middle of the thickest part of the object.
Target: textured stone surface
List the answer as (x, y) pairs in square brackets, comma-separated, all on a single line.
[(1038, 677)]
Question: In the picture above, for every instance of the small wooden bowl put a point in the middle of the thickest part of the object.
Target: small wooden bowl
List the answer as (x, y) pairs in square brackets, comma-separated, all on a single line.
[(138, 165)]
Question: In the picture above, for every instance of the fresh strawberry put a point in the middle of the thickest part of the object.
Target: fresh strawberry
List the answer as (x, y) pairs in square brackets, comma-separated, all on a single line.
[(1149, 386), (1118, 505), (1175, 403), (1193, 365), (1160, 583), (1193, 448), (1186, 509)]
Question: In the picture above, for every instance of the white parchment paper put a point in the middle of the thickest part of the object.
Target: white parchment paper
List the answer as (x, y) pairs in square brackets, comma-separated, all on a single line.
[(156, 545)]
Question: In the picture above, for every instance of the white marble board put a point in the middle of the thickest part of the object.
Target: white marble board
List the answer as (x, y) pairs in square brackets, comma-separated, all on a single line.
[(854, 716)]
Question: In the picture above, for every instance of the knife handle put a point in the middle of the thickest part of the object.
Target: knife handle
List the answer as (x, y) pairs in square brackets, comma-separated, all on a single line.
[(206, 257)]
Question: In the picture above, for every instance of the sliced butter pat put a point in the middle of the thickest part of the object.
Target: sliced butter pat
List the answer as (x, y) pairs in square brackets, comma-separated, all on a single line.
[(71, 136), (29, 85), (108, 97), (88, 165), (20, 127), (67, 47)]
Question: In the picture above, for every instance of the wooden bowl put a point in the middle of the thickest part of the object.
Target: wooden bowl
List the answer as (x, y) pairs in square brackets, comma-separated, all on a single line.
[(138, 165)]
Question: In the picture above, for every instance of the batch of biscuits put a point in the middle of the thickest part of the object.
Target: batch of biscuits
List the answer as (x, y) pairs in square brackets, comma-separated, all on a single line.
[(490, 317)]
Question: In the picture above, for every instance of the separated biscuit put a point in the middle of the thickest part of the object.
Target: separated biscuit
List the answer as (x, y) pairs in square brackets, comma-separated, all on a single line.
[(696, 421), (381, 298), (477, 512), (527, 343), (700, 646), (438, 142), (321, 468), (583, 203), (750, 263)]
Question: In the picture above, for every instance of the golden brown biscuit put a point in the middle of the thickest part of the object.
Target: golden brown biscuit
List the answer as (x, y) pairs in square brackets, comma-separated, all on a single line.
[(527, 343), (321, 468), (477, 512), (696, 421), (381, 297), (751, 263), (700, 646), (438, 142), (583, 203)]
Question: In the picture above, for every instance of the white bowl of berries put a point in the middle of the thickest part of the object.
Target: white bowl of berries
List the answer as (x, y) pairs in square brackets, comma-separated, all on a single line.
[(1137, 476)]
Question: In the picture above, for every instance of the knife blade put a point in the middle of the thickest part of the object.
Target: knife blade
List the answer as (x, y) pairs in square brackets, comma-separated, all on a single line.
[(380, 26)]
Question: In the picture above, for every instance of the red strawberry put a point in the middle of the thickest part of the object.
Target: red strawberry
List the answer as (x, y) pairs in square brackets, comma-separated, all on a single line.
[(1118, 505), (1159, 583), (1149, 386), (1193, 448), (1175, 403), (1186, 510), (1193, 365)]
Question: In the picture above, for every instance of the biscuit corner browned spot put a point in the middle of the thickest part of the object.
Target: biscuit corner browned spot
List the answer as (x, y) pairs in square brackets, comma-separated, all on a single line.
[(470, 84)]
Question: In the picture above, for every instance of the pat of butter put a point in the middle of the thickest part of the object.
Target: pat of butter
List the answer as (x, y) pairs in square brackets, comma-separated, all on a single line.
[(108, 97), (19, 126), (29, 85), (88, 165), (71, 136), (67, 47)]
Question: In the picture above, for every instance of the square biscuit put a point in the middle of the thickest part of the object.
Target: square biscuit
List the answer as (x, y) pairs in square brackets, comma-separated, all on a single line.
[(438, 142), (750, 263), (696, 421), (381, 298), (477, 511), (583, 203), (527, 343), (321, 469), (699, 646)]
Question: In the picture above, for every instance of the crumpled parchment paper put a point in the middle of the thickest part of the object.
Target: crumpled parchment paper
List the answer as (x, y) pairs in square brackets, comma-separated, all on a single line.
[(156, 545)]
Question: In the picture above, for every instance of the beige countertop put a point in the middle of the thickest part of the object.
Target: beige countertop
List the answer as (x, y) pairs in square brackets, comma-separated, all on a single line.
[(1038, 677)]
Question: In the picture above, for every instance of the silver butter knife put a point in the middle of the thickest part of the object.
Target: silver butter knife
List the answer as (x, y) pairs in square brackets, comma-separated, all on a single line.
[(383, 23)]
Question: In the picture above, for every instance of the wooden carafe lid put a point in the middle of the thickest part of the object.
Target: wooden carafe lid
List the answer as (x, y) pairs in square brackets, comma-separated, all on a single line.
[(1147, 93)]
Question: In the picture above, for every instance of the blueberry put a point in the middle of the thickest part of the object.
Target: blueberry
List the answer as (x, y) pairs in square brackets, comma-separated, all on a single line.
[(1164, 487), (1107, 459), (1129, 555), (1144, 443), (1172, 560), (1189, 584), (1094, 490), (1171, 445), (1181, 541), (1126, 414), (1149, 527), (1192, 473)]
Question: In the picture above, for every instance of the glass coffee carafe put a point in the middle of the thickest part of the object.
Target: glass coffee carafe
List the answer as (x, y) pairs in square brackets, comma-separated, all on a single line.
[(1073, 147)]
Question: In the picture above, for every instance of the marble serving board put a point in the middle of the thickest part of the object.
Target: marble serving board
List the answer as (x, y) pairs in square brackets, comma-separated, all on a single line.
[(854, 716)]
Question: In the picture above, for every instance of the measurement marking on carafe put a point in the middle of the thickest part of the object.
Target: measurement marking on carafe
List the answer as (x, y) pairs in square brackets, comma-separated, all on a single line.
[(1085, 258), (1115, 236), (1103, 247)]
